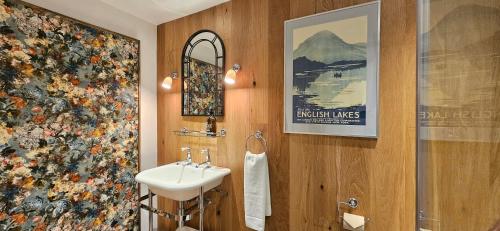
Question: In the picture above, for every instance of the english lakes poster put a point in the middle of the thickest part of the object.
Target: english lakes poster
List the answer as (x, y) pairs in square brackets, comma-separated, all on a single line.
[(333, 75), (329, 73)]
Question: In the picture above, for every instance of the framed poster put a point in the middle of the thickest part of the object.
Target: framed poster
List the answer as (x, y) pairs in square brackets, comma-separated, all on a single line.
[(331, 72)]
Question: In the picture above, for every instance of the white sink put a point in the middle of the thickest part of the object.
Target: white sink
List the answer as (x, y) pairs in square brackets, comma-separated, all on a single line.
[(181, 183)]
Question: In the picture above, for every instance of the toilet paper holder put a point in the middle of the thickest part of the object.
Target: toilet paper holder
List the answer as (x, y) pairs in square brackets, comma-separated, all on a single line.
[(352, 203)]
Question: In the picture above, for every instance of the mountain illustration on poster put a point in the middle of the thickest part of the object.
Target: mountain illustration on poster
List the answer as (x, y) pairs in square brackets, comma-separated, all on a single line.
[(329, 70)]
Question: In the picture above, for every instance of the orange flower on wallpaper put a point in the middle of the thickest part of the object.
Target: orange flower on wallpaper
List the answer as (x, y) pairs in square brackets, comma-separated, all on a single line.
[(118, 187), (19, 218), (96, 149), (40, 227), (19, 102), (75, 82), (8, 10), (130, 117), (123, 162), (86, 195), (95, 59), (33, 163), (28, 183), (32, 51), (75, 177), (39, 119), (97, 222), (123, 82), (96, 43), (129, 195), (118, 106), (78, 35), (97, 133), (27, 69)]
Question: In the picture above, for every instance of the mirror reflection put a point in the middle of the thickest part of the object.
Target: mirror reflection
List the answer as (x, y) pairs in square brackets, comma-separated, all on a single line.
[(202, 78)]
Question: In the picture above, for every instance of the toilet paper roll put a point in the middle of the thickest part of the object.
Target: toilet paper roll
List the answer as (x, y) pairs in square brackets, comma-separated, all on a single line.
[(353, 222)]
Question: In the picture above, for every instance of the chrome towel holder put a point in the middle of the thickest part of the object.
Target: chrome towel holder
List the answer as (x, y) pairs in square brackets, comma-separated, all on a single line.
[(258, 135)]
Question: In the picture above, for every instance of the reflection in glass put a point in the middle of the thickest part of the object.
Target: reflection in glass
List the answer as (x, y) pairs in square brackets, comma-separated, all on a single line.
[(459, 106)]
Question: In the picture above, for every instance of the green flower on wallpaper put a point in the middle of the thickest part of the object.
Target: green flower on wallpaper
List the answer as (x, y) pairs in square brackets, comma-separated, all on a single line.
[(69, 123)]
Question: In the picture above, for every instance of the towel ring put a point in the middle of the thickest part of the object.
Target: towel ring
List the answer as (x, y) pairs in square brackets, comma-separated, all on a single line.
[(258, 135)]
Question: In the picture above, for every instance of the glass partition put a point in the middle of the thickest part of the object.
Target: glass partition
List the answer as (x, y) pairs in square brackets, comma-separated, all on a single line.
[(459, 115)]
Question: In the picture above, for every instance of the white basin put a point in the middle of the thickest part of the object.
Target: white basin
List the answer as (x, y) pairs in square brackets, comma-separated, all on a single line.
[(181, 183)]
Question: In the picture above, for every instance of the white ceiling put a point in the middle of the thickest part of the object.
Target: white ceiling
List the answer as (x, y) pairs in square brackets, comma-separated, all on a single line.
[(160, 11)]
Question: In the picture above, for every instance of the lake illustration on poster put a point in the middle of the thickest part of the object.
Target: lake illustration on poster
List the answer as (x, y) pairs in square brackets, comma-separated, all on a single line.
[(331, 72)]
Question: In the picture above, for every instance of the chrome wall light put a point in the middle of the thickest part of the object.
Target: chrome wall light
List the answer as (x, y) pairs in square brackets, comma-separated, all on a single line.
[(231, 74), (167, 82)]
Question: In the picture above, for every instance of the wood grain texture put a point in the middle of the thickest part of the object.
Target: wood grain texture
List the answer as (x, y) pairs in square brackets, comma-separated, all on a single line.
[(380, 173), (308, 173), (461, 174)]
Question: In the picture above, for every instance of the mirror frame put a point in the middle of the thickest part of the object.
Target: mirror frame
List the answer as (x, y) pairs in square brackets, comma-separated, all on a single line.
[(219, 55)]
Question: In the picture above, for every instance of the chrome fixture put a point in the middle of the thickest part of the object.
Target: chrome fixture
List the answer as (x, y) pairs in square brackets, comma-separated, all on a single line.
[(187, 132), (206, 164), (351, 203), (189, 159), (259, 136), (201, 208), (150, 215), (184, 213)]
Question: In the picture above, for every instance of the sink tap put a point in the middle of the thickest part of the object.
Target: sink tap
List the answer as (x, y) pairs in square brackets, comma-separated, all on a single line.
[(189, 159), (206, 152)]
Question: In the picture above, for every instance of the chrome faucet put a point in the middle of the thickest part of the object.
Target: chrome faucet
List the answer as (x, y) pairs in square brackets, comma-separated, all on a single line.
[(189, 159), (206, 152)]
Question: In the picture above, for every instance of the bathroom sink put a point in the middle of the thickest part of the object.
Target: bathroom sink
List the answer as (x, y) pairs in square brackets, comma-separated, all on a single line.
[(181, 183)]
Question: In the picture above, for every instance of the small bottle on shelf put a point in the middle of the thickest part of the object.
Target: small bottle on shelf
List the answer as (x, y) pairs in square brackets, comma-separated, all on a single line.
[(212, 124)]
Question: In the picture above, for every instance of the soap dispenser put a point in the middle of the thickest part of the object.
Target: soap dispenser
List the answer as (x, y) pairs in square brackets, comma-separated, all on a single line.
[(212, 124)]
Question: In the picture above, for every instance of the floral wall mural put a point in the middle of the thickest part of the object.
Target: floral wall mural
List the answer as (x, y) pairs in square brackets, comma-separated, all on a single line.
[(69, 98)]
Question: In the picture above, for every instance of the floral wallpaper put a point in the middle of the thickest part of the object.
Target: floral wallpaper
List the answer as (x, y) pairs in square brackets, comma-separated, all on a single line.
[(69, 98)]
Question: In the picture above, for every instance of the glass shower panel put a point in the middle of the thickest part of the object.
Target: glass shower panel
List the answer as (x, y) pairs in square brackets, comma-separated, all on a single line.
[(459, 115)]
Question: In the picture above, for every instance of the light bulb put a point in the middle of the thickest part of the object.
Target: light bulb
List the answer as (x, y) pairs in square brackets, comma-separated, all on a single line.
[(167, 83), (230, 77)]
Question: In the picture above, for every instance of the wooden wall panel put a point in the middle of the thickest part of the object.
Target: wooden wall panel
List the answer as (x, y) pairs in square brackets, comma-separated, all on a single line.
[(308, 173), (380, 173)]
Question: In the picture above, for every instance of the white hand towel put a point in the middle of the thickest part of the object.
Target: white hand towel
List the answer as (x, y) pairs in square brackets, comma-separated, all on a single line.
[(257, 194)]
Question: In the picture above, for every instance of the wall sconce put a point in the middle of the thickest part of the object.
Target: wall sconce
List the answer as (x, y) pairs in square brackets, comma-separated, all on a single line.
[(231, 74), (167, 82)]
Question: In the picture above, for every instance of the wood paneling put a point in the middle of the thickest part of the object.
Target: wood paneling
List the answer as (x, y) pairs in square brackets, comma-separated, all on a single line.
[(308, 173), (380, 173)]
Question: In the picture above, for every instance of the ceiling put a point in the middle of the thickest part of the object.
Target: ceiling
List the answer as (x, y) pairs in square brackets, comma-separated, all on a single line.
[(160, 11)]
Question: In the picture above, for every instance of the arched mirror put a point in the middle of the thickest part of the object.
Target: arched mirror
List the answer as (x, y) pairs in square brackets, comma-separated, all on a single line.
[(203, 75)]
